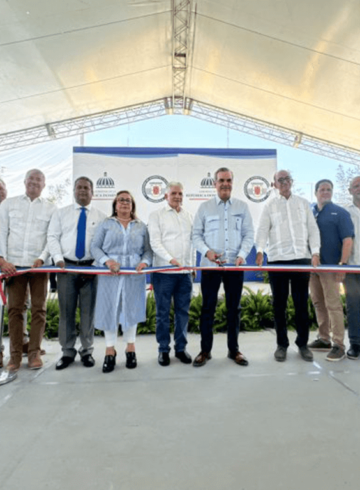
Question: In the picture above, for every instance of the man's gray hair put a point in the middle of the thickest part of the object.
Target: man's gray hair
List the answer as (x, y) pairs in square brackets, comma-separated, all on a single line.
[(2, 182), (34, 170), (223, 169), (174, 184), (88, 180)]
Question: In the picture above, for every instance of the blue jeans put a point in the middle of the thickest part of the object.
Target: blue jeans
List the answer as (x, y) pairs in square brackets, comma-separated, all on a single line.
[(352, 285), (179, 287)]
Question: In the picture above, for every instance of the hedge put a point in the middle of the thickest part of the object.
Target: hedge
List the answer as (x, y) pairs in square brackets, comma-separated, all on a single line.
[(256, 314)]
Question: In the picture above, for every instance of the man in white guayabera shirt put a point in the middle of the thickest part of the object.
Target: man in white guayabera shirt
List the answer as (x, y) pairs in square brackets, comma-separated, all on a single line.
[(287, 225), (352, 281), (170, 231), (23, 233)]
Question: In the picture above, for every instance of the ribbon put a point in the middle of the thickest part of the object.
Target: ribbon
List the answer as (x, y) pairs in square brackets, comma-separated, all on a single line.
[(104, 271)]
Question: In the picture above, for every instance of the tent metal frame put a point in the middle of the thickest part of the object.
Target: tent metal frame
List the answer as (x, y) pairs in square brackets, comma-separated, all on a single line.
[(190, 107)]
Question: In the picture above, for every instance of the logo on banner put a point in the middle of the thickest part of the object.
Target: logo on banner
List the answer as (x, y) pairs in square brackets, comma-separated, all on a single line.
[(257, 189), (154, 188), (105, 188), (208, 182), (205, 191)]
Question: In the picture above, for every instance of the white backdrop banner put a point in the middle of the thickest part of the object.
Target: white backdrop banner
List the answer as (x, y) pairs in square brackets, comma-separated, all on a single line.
[(145, 172)]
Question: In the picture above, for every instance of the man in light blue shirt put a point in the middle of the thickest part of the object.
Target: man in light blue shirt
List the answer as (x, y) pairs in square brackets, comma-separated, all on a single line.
[(223, 233)]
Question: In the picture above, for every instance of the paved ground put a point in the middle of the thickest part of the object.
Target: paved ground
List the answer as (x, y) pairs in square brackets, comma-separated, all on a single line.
[(266, 426)]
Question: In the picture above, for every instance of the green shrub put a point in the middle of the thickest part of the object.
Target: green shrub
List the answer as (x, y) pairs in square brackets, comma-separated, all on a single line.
[(149, 326), (256, 310), (256, 314)]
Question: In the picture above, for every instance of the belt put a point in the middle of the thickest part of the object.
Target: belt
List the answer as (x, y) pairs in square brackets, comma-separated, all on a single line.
[(79, 262)]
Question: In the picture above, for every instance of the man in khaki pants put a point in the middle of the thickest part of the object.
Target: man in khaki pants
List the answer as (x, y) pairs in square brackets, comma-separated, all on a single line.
[(23, 232), (336, 234)]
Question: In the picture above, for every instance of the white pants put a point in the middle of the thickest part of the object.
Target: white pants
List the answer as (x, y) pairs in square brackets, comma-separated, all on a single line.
[(128, 336)]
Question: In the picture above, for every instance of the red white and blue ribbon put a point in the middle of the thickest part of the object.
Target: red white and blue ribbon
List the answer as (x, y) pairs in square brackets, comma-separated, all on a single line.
[(104, 271)]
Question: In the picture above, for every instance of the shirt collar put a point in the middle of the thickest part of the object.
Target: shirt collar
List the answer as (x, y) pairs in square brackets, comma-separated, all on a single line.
[(169, 208), (218, 200), (78, 206), (40, 199)]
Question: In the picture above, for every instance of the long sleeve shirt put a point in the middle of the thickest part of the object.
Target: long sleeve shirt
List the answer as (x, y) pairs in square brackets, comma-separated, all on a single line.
[(289, 228), (355, 217), (23, 229), (62, 232), (224, 227), (128, 246), (171, 236)]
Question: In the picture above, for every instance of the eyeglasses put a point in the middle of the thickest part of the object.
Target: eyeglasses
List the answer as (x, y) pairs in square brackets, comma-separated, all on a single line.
[(282, 180), (121, 199)]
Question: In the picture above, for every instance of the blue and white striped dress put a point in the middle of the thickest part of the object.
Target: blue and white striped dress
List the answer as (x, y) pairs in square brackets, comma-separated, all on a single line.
[(121, 299)]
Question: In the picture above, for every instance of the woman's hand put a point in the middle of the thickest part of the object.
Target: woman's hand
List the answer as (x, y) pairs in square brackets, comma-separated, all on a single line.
[(113, 266), (141, 266)]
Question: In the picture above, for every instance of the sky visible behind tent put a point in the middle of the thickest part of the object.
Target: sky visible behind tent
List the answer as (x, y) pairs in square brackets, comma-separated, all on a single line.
[(55, 158)]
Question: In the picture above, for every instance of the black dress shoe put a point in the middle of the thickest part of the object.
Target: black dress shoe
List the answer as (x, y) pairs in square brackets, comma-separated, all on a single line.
[(353, 352), (184, 357), (164, 358), (88, 360), (131, 362), (64, 362), (109, 364)]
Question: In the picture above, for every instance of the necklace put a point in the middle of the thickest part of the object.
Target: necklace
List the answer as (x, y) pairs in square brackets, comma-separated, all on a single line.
[(124, 219)]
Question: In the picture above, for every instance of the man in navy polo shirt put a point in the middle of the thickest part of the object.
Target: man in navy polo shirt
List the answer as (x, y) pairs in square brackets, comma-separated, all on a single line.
[(336, 233)]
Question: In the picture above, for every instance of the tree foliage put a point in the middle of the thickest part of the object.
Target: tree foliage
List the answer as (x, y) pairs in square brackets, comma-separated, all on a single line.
[(342, 197)]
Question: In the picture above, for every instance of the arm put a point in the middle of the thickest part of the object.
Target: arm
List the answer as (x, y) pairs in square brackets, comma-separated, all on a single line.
[(148, 253), (346, 250), (247, 242), (5, 266), (313, 233), (97, 243), (262, 235), (54, 236), (345, 255), (155, 238), (198, 233)]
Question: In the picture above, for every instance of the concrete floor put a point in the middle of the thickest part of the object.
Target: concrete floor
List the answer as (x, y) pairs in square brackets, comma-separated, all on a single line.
[(268, 426)]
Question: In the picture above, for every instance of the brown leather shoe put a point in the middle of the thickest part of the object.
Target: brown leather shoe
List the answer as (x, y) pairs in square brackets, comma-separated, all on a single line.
[(238, 358), (201, 359), (34, 361), (13, 365)]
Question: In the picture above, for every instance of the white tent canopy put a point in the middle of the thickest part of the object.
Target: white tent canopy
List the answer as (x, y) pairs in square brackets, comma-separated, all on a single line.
[(291, 64)]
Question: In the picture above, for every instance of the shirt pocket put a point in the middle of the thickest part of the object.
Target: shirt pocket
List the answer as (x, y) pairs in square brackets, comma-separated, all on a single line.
[(237, 220), (41, 223), (212, 223), (16, 219), (276, 219)]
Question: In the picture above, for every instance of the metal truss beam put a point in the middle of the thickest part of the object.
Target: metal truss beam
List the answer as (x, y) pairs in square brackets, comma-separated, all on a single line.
[(181, 10), (264, 130), (162, 107), (86, 124)]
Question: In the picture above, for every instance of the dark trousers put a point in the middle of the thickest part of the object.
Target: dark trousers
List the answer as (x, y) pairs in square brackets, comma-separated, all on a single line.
[(299, 281), (71, 288), (210, 284)]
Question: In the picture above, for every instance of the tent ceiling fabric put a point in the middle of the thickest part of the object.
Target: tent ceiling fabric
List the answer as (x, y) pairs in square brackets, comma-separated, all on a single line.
[(290, 63)]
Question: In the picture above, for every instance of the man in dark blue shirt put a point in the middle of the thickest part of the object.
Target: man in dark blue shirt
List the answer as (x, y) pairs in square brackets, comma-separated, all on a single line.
[(336, 233)]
